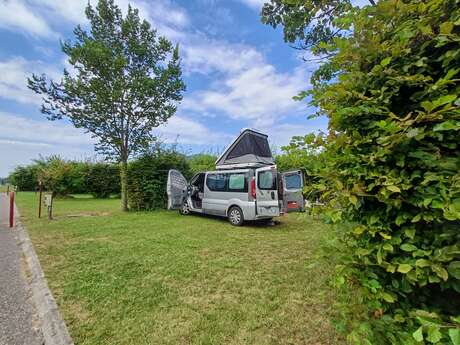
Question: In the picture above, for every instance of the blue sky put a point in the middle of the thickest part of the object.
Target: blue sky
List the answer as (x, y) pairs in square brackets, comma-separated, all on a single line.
[(239, 73)]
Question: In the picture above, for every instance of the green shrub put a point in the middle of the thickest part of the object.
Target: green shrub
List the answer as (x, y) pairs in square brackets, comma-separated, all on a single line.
[(395, 160), (24, 177), (307, 153), (202, 162), (57, 176), (148, 175), (102, 179)]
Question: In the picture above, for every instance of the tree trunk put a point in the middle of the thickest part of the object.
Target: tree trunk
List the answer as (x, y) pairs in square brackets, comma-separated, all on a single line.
[(124, 184)]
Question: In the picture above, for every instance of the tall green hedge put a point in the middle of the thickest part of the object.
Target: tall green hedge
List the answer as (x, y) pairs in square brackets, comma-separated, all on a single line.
[(147, 177), (394, 108), (65, 177), (102, 179)]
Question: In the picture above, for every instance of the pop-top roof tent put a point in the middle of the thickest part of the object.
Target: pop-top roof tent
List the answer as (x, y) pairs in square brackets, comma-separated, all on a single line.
[(249, 149)]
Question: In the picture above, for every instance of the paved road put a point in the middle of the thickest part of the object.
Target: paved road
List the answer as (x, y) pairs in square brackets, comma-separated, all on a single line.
[(16, 311)]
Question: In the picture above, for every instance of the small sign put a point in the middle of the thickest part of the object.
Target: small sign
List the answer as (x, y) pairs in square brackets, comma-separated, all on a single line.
[(48, 200)]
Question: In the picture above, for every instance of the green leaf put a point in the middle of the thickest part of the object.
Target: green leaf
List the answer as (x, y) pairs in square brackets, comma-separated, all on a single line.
[(450, 125), (353, 199), (410, 233), (388, 298), (434, 335), (385, 236), (394, 189), (388, 247), (418, 334), (359, 230), (440, 271), (385, 61), (446, 28), (422, 263), (454, 334), (444, 100), (428, 106), (437, 204), (408, 247), (416, 218), (404, 268), (454, 269)]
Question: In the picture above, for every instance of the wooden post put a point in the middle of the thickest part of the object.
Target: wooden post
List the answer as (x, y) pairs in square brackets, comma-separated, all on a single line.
[(40, 188), (11, 209)]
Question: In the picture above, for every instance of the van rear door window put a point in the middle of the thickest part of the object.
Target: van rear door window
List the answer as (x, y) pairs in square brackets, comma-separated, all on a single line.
[(266, 180), (293, 181)]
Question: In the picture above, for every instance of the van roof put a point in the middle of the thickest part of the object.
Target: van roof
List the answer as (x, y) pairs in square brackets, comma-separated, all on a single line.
[(249, 149)]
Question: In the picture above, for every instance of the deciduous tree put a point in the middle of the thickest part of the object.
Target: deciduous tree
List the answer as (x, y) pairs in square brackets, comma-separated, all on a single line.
[(125, 81)]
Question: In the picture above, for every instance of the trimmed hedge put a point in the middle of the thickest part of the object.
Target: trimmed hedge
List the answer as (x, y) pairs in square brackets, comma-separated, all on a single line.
[(102, 180), (148, 175), (68, 177), (395, 161)]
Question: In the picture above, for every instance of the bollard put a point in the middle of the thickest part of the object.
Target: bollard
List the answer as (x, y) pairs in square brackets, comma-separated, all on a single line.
[(11, 209)]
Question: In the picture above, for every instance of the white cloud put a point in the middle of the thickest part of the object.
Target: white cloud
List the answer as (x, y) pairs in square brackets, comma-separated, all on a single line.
[(187, 131), (19, 129), (255, 4), (16, 15), (251, 89), (34, 17), (202, 55), (13, 81), (23, 139)]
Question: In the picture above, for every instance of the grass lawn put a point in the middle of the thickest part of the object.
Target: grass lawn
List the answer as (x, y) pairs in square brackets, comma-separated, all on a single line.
[(162, 278)]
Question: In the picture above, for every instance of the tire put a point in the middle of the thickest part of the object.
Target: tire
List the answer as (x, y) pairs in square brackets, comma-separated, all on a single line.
[(184, 209), (235, 216)]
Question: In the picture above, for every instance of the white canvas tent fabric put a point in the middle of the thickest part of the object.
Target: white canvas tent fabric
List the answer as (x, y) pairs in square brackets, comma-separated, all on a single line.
[(249, 149)]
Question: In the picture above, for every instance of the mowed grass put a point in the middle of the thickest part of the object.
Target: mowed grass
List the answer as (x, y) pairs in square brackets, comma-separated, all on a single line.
[(162, 278)]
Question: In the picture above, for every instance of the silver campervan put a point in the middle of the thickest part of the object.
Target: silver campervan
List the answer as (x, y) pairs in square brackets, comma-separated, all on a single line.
[(246, 184)]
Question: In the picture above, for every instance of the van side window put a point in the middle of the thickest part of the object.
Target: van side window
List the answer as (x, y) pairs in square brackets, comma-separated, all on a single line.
[(266, 180), (216, 182), (237, 183)]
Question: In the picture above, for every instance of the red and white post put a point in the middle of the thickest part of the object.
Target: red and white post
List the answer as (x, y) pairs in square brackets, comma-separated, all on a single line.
[(11, 209)]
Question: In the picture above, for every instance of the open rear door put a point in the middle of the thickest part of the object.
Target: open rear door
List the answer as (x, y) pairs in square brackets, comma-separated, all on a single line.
[(175, 189), (293, 183), (267, 192)]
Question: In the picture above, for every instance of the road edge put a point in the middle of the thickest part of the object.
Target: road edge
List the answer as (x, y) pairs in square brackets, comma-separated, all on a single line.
[(52, 325)]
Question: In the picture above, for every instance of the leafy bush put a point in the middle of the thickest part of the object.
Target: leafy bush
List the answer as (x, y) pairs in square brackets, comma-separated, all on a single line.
[(148, 175), (395, 162), (307, 153), (57, 176), (202, 162), (102, 179), (24, 177), (65, 177)]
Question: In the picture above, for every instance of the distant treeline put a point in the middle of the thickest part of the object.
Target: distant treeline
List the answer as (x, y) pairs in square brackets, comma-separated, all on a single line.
[(147, 176)]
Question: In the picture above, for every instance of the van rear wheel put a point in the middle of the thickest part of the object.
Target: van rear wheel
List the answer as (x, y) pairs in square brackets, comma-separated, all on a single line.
[(235, 216)]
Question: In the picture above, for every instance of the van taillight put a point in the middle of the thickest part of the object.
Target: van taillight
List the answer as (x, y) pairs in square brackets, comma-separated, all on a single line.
[(253, 188)]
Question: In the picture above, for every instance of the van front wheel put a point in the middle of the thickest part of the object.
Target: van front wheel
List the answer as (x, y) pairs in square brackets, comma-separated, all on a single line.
[(185, 209), (235, 216)]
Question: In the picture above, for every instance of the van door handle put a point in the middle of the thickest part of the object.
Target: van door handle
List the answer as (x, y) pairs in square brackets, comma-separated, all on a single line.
[(273, 195)]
